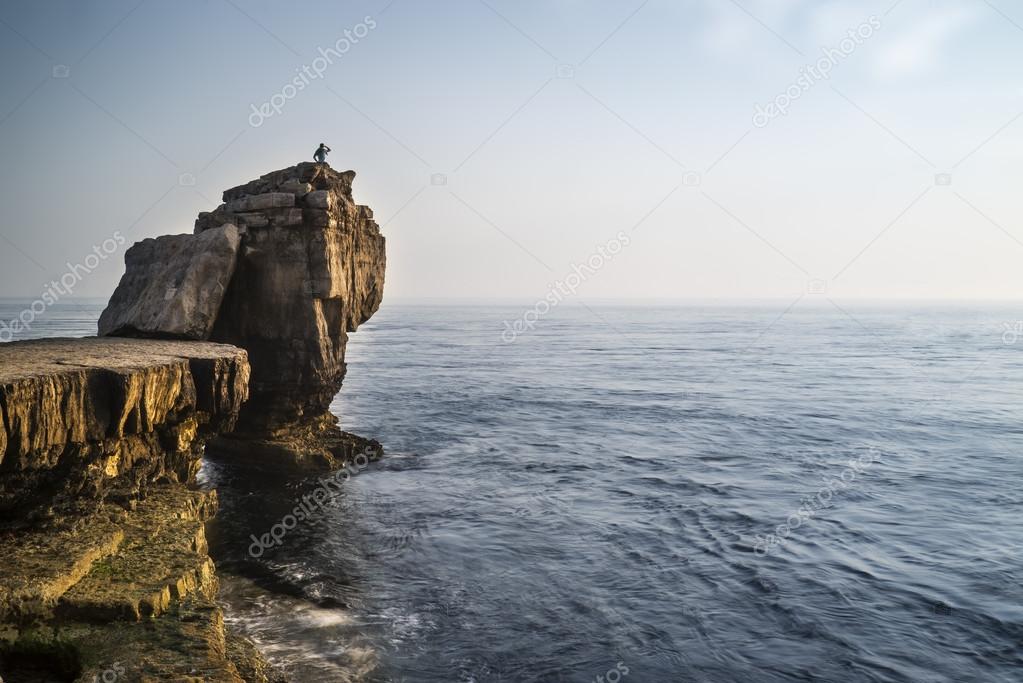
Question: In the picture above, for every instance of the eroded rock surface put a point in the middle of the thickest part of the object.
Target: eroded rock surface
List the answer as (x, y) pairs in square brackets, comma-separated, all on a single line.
[(88, 419), (309, 270), (105, 570), (173, 285), (103, 556), (299, 288)]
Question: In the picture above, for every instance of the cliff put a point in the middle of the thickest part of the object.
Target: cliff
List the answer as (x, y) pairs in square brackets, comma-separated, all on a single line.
[(101, 528), (285, 268), (228, 342)]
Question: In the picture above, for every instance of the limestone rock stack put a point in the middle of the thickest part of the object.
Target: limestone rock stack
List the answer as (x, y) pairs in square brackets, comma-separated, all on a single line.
[(308, 269), (229, 342)]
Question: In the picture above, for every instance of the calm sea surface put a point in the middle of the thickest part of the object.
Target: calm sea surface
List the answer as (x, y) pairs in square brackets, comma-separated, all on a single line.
[(596, 500)]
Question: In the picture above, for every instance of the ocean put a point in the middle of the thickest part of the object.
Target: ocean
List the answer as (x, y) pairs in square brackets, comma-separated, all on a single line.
[(821, 492)]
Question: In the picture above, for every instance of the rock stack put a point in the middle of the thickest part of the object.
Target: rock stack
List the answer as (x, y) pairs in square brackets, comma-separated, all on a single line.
[(285, 268), (230, 339)]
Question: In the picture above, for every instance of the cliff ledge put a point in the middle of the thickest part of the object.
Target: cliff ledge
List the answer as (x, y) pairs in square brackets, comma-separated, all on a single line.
[(101, 527)]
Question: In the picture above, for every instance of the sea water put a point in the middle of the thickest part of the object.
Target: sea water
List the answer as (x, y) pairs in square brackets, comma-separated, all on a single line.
[(827, 492)]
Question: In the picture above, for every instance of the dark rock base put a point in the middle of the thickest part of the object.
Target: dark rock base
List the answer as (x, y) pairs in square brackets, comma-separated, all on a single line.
[(315, 446)]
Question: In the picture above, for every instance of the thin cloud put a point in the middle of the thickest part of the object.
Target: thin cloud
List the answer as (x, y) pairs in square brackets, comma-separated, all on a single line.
[(920, 47)]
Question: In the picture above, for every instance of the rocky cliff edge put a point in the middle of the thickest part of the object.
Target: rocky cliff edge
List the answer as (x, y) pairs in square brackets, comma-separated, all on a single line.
[(285, 268), (104, 567)]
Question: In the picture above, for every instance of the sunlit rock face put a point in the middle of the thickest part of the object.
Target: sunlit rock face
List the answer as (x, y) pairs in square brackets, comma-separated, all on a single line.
[(173, 285), (102, 530), (311, 270), (228, 342), (103, 418)]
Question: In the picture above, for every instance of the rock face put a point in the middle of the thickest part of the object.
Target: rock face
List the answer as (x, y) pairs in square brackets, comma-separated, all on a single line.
[(173, 285), (101, 418), (101, 528), (230, 339), (309, 270)]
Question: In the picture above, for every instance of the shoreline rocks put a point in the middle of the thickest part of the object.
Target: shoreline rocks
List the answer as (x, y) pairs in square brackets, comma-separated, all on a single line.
[(228, 342), (102, 531), (97, 418)]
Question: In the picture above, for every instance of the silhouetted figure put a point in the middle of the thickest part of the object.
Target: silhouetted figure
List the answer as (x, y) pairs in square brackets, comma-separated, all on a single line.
[(320, 155)]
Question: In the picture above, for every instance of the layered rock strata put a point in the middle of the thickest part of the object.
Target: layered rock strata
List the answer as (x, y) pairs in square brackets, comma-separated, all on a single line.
[(309, 270), (102, 537), (87, 420), (232, 338)]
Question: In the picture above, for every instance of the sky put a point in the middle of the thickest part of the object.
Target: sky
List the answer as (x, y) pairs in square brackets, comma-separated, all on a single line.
[(721, 149)]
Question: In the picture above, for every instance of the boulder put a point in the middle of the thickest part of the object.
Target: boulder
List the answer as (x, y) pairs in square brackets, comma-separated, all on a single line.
[(173, 286), (320, 199)]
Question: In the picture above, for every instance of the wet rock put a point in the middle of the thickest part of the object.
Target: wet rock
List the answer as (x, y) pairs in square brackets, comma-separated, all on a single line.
[(102, 534)]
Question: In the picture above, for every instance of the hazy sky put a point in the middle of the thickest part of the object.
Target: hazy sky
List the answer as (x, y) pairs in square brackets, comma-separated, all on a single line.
[(555, 124)]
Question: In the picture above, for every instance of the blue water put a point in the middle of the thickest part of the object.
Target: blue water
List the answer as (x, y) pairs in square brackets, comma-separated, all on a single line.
[(595, 498)]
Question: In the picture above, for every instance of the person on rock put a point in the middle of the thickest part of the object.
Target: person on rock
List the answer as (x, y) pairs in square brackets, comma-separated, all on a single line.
[(320, 155)]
